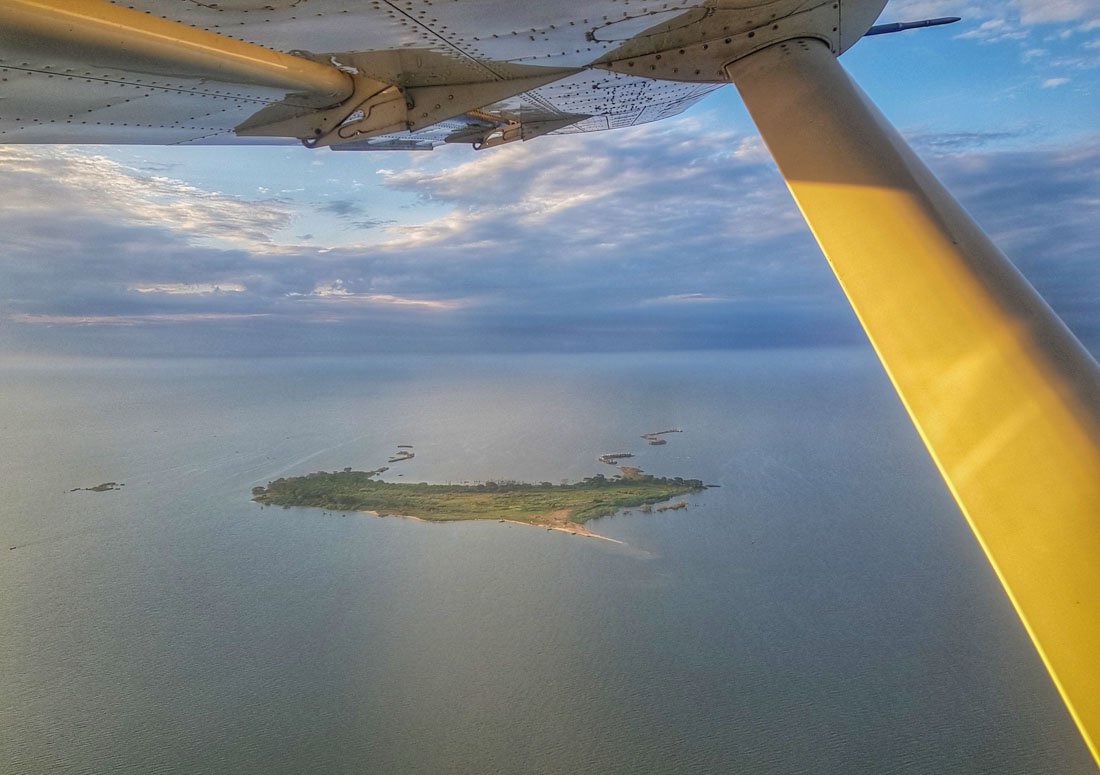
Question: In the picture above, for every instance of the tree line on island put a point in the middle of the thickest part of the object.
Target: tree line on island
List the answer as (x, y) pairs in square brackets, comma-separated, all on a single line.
[(574, 502)]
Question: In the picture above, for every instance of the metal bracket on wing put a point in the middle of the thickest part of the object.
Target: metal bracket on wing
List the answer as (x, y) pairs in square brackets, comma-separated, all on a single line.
[(720, 41), (371, 100), (492, 130), (379, 108)]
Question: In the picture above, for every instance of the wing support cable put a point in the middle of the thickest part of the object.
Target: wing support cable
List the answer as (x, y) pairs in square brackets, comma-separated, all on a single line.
[(1005, 399)]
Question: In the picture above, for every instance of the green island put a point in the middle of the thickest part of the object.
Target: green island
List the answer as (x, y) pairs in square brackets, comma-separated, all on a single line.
[(564, 506), (105, 487)]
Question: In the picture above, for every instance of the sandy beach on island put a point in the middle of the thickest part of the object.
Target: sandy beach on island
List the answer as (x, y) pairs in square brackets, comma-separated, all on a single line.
[(555, 520), (574, 528)]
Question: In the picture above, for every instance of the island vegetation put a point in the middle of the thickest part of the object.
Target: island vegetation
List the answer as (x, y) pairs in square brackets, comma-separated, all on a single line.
[(105, 487), (563, 506)]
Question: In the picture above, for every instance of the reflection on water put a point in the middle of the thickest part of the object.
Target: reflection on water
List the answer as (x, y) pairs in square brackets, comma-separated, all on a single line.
[(823, 610)]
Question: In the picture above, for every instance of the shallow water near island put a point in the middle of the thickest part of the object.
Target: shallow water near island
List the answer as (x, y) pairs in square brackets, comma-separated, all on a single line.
[(824, 610)]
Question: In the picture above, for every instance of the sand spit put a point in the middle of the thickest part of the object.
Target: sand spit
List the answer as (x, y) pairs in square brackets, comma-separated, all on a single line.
[(557, 520)]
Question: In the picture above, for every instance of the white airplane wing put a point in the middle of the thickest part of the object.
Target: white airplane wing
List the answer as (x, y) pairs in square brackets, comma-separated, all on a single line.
[(70, 77)]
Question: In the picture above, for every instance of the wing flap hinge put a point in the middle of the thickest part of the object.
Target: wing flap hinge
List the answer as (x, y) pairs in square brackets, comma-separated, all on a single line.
[(491, 130), (380, 108)]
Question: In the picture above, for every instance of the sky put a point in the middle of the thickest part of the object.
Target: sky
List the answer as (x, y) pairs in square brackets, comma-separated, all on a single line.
[(673, 235)]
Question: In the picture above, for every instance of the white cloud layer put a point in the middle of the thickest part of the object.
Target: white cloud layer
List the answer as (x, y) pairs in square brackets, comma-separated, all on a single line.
[(665, 235), (96, 186), (1011, 20), (1083, 14), (188, 289)]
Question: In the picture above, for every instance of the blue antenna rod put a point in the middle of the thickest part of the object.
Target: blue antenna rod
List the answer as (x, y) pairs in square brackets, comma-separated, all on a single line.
[(883, 29)]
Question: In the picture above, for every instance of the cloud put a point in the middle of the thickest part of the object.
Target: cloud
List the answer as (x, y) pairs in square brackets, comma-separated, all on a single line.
[(666, 235), (354, 213), (1081, 14), (1051, 83), (552, 242), (994, 30), (1084, 12), (341, 207), (571, 194), (940, 142), (339, 292), (188, 289), (688, 298), (1042, 207), (128, 320), (1065, 23), (97, 187)]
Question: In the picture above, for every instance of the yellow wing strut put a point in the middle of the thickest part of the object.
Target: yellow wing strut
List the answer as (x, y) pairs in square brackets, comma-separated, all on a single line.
[(1006, 400)]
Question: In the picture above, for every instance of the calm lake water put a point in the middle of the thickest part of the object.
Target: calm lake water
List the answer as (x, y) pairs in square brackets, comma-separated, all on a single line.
[(824, 610)]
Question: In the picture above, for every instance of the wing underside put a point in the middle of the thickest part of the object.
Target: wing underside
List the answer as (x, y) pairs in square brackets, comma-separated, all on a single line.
[(54, 94)]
